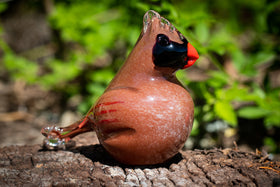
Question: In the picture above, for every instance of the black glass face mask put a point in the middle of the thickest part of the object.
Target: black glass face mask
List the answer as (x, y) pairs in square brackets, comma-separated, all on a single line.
[(167, 53)]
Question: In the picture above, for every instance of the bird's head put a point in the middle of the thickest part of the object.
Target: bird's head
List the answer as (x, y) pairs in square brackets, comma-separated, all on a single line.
[(169, 47)]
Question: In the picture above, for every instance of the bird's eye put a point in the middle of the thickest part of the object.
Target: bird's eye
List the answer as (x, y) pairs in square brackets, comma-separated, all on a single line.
[(163, 40)]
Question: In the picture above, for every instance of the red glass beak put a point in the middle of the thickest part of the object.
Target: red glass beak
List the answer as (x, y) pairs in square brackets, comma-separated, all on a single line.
[(192, 56)]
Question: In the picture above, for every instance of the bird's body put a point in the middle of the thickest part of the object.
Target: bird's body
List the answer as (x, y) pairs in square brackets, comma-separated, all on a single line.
[(144, 124), (145, 115)]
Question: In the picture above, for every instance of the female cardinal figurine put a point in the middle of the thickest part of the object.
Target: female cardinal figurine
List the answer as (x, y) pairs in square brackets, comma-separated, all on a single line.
[(145, 115)]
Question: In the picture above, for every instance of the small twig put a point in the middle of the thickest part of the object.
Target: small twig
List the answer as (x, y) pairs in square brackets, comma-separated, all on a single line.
[(235, 145), (263, 158), (264, 167)]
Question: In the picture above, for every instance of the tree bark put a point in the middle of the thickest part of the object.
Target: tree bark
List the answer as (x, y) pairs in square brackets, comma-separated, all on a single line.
[(90, 165)]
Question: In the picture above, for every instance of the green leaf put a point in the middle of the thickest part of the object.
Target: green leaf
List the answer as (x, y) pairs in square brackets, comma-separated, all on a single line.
[(21, 68), (272, 145), (263, 57), (3, 6), (273, 118), (224, 110), (195, 128), (201, 30), (252, 112), (218, 79), (103, 76)]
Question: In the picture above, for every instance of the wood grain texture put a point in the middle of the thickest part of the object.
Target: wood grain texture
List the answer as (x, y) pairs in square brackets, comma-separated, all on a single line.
[(91, 165)]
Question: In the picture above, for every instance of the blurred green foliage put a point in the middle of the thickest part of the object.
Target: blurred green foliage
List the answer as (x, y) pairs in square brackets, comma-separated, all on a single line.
[(238, 42)]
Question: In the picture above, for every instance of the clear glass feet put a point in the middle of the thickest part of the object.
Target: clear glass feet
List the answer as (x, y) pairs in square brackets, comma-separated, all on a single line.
[(61, 137), (54, 138)]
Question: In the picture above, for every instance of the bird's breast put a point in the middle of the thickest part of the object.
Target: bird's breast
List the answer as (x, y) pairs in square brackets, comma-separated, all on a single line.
[(146, 121)]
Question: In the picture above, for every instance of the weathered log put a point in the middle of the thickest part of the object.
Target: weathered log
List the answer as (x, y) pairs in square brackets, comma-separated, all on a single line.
[(91, 165)]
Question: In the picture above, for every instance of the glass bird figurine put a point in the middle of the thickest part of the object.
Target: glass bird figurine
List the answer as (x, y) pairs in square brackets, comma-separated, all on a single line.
[(145, 115)]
